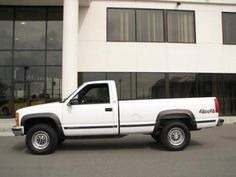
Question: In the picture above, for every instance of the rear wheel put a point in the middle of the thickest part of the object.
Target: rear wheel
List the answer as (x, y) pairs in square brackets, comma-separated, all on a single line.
[(175, 136), (41, 139)]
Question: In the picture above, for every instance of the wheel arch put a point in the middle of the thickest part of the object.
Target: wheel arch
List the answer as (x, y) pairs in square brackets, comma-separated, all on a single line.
[(182, 115), (42, 118)]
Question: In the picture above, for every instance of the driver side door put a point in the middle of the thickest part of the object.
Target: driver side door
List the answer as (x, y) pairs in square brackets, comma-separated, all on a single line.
[(90, 112)]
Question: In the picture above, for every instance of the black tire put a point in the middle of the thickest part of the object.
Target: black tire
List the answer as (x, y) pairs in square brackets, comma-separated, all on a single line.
[(41, 139), (175, 136), (156, 137)]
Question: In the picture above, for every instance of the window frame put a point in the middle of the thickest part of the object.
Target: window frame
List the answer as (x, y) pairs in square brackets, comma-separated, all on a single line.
[(136, 22), (135, 36), (87, 88), (165, 26), (223, 40), (45, 50)]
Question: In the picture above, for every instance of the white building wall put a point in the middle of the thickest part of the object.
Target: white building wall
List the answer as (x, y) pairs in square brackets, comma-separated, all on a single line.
[(208, 55)]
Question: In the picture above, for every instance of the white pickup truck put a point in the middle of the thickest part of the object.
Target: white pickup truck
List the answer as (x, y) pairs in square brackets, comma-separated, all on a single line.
[(94, 111)]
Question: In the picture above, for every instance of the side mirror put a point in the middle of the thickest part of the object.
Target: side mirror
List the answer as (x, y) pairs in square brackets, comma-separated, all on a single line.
[(72, 102), (69, 103)]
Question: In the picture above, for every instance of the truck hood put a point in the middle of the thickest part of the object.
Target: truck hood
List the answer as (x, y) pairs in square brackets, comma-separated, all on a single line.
[(55, 108)]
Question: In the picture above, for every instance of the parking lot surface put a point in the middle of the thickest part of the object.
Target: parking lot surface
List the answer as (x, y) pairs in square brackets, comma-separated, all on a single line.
[(211, 153)]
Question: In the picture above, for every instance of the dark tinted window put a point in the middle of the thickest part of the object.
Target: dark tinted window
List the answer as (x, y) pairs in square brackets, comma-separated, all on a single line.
[(5, 58), (121, 25), (172, 85), (150, 25), (150, 85), (182, 85), (55, 13), (5, 76), (54, 82), (30, 14), (181, 26), (54, 34), (54, 58), (29, 58), (123, 84), (90, 76), (30, 34), (29, 73), (230, 94), (93, 94), (210, 85), (30, 50), (229, 28), (6, 13), (6, 28)]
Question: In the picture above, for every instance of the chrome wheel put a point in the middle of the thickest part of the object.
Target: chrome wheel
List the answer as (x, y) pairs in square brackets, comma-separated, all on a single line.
[(176, 136), (40, 140)]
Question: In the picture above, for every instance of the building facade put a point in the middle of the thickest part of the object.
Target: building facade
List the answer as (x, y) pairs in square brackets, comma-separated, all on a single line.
[(152, 49)]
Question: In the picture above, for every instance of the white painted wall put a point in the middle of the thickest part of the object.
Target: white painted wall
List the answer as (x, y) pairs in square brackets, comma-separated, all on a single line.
[(208, 55)]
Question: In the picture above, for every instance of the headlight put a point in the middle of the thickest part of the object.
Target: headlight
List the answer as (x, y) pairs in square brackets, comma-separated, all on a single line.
[(17, 119)]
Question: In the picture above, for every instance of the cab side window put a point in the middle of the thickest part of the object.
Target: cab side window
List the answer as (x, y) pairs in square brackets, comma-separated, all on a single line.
[(92, 94)]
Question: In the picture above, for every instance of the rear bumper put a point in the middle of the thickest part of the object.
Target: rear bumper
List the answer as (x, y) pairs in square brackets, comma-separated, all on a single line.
[(220, 122), (18, 130)]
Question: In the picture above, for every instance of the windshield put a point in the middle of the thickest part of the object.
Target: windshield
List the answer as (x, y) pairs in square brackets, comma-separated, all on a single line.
[(64, 100)]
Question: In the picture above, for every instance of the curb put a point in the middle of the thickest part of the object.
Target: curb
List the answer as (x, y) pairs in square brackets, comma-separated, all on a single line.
[(229, 120)]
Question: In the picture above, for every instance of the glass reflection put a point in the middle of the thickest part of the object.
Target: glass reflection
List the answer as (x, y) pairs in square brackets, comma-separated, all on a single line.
[(182, 85), (6, 34), (230, 94), (29, 73), (37, 91), (6, 30), (229, 27), (54, 58), (150, 85), (180, 26), (123, 84), (121, 25), (55, 13), (28, 94), (210, 85), (93, 76), (29, 58), (30, 41), (5, 58), (54, 35), (5, 107), (30, 13), (5, 76), (54, 82), (30, 34), (150, 25)]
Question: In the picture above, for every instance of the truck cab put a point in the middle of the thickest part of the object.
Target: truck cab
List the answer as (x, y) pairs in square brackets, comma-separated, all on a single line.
[(92, 110)]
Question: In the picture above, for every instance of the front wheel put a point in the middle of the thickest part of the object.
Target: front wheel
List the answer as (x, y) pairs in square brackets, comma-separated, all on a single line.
[(41, 139), (175, 136), (156, 137)]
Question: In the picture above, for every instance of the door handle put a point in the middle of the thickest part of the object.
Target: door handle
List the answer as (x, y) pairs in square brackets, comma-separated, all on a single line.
[(108, 109)]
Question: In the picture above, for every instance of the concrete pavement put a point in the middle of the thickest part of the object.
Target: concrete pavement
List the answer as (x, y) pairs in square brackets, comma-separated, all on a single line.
[(211, 153), (7, 123)]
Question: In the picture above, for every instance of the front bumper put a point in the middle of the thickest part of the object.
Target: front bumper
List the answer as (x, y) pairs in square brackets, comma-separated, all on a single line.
[(220, 122), (18, 130)]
